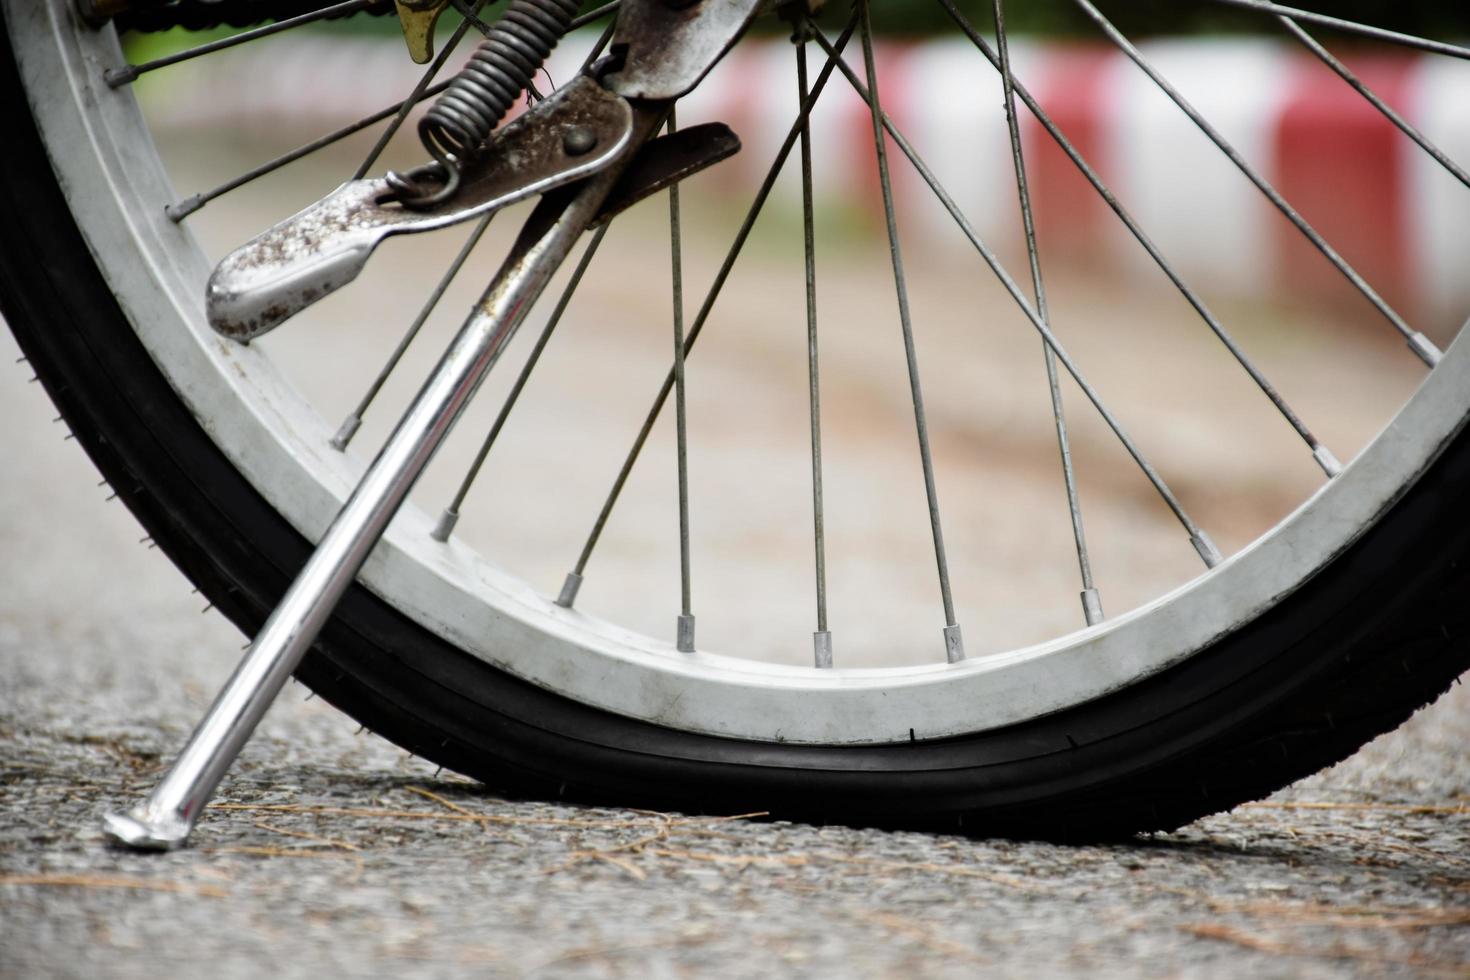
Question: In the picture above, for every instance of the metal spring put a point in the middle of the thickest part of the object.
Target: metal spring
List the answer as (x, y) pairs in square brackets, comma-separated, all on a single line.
[(502, 67)]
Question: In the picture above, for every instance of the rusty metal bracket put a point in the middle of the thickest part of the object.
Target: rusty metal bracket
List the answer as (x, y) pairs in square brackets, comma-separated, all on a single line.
[(665, 161), (667, 46), (662, 48), (576, 132)]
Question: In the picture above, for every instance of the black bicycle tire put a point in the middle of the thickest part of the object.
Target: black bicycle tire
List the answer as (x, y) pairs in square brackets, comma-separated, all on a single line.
[(1349, 655)]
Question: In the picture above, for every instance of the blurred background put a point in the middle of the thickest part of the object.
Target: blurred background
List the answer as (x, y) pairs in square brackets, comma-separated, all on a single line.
[(1397, 215)]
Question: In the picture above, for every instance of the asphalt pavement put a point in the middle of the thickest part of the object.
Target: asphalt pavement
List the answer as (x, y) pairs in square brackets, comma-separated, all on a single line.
[(333, 853)]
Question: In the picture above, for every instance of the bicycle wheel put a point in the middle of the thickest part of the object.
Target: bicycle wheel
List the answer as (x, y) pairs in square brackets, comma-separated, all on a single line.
[(1329, 628)]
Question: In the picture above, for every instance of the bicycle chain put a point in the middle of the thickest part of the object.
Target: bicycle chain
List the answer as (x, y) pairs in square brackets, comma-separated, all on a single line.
[(200, 15)]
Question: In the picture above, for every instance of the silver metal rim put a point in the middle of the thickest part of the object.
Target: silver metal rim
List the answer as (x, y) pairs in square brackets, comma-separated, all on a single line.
[(105, 158)]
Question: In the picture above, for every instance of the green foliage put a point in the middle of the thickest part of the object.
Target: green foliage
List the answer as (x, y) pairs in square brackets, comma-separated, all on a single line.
[(1054, 18), (1429, 18)]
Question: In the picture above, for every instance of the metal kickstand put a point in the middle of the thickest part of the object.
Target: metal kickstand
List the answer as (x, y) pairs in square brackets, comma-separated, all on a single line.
[(573, 148), (165, 818)]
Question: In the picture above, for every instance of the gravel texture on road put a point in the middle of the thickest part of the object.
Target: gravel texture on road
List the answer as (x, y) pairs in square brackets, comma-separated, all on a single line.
[(331, 852)]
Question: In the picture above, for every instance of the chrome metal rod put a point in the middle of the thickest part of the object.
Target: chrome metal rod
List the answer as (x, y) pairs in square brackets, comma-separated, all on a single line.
[(353, 422), (822, 636), (684, 628), (180, 210), (596, 13), (1361, 87), (1197, 536), (575, 577), (471, 16), (1091, 599), (129, 73), (1417, 342), (1352, 27), (450, 516), (954, 647), (1320, 452), (165, 818)]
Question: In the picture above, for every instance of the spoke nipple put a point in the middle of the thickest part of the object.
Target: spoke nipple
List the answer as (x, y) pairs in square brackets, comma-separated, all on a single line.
[(569, 589), (1092, 606), (1206, 548), (822, 646), (578, 140), (180, 210), (954, 644), (445, 527), (344, 435), (1329, 463), (686, 633), (115, 77), (1424, 347)]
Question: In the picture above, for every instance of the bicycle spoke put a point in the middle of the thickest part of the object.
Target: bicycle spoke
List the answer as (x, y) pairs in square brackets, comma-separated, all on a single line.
[(685, 630), (1352, 27), (1323, 456), (1197, 537), (954, 646), (470, 14), (1404, 126), (596, 13), (450, 517), (575, 577), (353, 422), (116, 77), (1417, 342), (413, 97), (182, 209), (822, 637), (602, 42), (1091, 600)]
